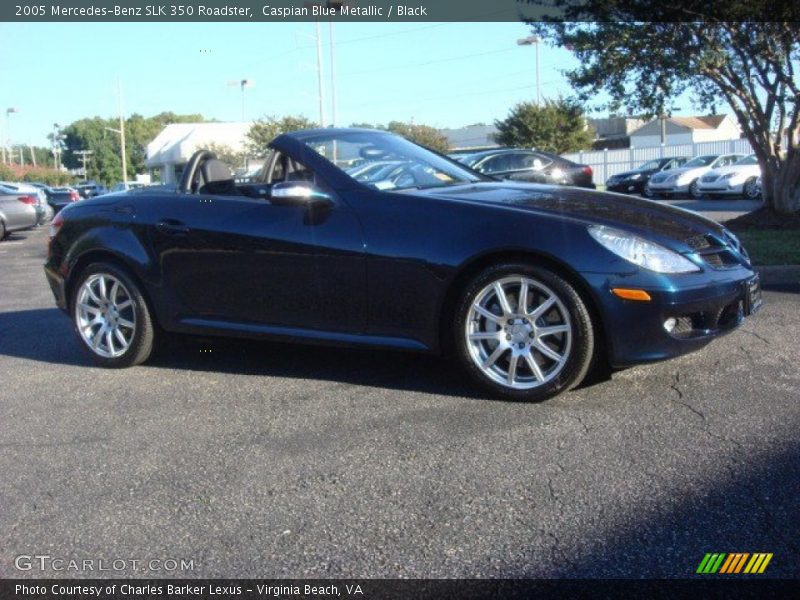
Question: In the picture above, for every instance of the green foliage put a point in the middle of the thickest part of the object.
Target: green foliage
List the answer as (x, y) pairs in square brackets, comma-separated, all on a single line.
[(747, 64), (424, 135), (104, 164), (228, 155), (39, 174), (266, 129), (556, 126)]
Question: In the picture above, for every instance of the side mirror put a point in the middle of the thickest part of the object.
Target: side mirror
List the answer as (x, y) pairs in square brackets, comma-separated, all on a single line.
[(299, 192)]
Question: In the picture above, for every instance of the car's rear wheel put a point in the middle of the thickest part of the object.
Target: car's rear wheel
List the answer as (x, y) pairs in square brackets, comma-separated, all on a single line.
[(111, 316), (523, 332)]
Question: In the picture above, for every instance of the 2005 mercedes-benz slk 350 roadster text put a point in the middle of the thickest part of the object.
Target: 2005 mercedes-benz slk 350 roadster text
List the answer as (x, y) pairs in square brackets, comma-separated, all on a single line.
[(527, 285)]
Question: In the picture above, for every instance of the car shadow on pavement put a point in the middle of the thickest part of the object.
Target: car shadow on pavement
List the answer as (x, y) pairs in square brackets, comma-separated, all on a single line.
[(752, 508), (46, 335)]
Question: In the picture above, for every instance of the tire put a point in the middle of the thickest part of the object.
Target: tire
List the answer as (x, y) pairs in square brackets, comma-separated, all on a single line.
[(750, 189), (510, 343), (694, 190), (119, 315), (3, 232), (647, 192)]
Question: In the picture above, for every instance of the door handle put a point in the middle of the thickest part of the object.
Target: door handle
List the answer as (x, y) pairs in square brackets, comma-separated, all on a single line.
[(172, 227)]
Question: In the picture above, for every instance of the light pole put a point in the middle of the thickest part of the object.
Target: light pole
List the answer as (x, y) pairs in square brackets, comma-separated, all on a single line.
[(533, 41), (10, 150), (242, 83)]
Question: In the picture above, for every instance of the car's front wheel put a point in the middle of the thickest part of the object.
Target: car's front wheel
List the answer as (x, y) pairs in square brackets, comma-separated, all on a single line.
[(647, 192), (751, 189), (111, 317), (523, 332), (694, 190)]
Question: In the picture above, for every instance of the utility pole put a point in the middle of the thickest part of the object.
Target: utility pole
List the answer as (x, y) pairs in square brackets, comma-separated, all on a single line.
[(122, 136), (333, 76), (533, 41), (84, 154), (9, 111), (319, 78)]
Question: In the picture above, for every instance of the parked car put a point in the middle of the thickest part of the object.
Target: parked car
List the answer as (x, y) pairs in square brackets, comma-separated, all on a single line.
[(527, 285), (124, 186), (59, 197), (17, 210), (90, 189), (686, 179), (43, 214), (529, 165), (738, 179), (636, 180)]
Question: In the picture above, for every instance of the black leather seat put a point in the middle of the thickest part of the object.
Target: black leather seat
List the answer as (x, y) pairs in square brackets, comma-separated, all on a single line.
[(217, 178)]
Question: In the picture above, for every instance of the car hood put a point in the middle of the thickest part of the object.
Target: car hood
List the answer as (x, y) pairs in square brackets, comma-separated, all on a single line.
[(633, 172), (591, 207), (693, 171), (740, 169)]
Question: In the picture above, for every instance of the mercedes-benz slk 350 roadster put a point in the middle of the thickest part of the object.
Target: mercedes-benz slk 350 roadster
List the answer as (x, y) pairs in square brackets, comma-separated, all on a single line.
[(528, 286)]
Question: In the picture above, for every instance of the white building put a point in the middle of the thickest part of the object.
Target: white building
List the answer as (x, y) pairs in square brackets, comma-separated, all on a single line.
[(176, 143), (687, 130)]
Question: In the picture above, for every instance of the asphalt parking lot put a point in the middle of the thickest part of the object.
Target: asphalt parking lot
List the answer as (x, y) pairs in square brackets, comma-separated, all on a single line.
[(266, 460)]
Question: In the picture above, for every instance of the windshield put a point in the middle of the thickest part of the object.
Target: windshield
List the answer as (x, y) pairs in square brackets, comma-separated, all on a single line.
[(701, 161), (650, 165), (387, 162), (748, 160)]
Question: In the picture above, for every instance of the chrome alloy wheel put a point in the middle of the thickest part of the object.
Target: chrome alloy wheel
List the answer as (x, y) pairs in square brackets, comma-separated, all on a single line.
[(105, 316), (518, 332)]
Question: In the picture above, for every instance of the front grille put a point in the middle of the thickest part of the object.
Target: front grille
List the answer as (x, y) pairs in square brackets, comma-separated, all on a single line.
[(717, 252), (658, 178), (709, 178)]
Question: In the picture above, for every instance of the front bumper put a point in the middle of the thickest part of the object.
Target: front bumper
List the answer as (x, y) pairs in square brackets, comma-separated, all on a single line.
[(626, 187), (720, 188), (660, 188), (704, 306)]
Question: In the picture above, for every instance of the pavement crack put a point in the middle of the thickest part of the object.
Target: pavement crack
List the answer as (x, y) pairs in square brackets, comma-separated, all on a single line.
[(679, 400), (754, 334)]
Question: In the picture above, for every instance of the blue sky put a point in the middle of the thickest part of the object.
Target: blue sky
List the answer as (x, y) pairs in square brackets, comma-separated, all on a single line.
[(442, 74)]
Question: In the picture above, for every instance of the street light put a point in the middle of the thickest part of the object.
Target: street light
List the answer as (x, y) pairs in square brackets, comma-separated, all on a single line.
[(242, 83), (533, 41)]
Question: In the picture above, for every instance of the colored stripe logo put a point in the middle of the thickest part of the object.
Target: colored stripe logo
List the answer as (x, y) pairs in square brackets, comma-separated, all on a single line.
[(734, 563)]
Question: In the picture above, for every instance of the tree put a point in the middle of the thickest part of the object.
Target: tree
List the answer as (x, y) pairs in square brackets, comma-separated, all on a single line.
[(424, 135), (556, 126), (266, 129), (105, 164), (744, 62), (228, 155)]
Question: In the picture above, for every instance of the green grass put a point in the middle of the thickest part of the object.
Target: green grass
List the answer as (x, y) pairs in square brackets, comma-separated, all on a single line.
[(772, 247)]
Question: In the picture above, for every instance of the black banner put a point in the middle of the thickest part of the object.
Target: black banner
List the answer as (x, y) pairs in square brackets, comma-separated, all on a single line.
[(396, 10), (418, 589)]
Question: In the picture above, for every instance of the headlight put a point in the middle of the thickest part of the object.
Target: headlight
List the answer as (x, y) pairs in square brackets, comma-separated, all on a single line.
[(727, 176), (635, 177), (639, 251)]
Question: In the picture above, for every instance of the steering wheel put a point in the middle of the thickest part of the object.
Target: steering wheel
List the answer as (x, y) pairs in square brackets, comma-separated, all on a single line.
[(189, 184)]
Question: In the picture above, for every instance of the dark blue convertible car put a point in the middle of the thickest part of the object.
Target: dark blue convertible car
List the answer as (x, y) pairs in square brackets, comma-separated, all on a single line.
[(528, 286)]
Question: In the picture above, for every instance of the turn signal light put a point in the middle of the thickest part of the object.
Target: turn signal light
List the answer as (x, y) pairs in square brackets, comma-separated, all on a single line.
[(629, 294)]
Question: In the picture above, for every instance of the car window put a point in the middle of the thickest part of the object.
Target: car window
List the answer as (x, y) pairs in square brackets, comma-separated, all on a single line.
[(748, 160), (701, 161), (496, 164), (280, 167)]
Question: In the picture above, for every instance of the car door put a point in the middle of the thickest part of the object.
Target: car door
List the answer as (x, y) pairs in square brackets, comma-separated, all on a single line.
[(245, 260), (526, 166)]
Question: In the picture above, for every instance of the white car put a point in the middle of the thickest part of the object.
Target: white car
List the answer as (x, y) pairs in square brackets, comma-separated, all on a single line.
[(686, 179), (739, 179)]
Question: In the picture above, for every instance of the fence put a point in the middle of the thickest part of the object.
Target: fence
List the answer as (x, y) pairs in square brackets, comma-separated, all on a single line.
[(606, 163)]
